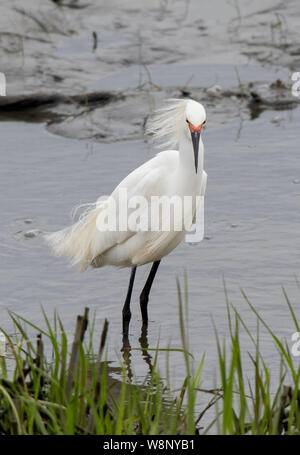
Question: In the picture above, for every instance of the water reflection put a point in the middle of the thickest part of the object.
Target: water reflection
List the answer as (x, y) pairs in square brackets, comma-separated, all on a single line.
[(144, 345)]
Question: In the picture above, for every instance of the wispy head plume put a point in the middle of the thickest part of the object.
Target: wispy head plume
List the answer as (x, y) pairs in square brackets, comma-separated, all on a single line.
[(166, 124)]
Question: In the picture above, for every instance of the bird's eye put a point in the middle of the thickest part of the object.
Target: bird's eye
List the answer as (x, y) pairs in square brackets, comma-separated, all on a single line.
[(187, 121), (204, 122)]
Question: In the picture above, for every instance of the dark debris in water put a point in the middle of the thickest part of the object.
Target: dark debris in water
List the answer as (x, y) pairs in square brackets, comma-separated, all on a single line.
[(94, 115), (35, 100), (32, 234)]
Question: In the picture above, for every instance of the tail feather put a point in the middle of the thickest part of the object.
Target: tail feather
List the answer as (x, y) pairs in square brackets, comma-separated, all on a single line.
[(76, 241)]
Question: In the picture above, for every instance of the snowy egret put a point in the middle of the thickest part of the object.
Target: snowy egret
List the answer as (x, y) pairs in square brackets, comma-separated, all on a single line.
[(170, 173)]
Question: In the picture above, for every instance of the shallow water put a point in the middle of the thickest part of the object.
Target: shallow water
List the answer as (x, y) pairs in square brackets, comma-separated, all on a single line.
[(251, 214), (251, 224)]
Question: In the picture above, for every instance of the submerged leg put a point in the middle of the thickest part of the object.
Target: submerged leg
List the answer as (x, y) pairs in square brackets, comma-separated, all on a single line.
[(126, 307), (144, 297)]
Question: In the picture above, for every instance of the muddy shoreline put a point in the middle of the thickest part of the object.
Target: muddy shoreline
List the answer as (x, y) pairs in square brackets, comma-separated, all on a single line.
[(61, 50)]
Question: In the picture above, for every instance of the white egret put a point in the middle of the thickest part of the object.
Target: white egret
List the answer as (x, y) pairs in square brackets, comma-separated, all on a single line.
[(170, 173)]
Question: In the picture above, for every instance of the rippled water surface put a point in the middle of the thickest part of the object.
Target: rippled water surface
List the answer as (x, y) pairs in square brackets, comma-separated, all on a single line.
[(251, 220)]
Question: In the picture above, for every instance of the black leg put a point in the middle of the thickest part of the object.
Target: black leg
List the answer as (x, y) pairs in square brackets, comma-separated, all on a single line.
[(126, 307), (144, 297)]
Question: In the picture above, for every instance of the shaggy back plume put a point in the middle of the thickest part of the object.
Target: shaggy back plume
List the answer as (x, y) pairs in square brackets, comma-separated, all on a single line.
[(167, 122), (77, 241)]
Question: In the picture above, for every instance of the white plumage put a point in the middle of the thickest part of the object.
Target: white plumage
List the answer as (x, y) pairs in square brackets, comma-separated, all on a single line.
[(169, 173)]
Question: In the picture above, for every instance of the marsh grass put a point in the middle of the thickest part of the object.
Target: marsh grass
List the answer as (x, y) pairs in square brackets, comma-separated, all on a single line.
[(251, 405), (75, 391)]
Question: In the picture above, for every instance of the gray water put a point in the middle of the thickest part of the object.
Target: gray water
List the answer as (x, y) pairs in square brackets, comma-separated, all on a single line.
[(251, 224), (251, 205)]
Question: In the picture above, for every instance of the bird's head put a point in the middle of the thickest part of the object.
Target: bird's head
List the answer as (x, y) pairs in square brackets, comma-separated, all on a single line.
[(179, 118), (195, 117)]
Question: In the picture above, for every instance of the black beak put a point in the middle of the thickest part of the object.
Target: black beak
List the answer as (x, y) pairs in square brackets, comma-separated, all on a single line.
[(195, 139)]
